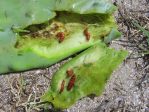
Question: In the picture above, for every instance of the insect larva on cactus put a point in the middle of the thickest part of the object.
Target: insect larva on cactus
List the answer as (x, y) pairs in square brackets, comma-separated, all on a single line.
[(87, 34), (69, 72), (60, 36), (71, 83), (62, 86)]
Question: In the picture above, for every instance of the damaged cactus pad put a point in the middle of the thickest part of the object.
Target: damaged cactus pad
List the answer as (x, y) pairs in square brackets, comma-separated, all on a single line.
[(70, 26), (39, 33), (84, 75)]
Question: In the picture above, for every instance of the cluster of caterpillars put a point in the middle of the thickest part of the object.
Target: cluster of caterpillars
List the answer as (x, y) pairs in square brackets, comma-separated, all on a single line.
[(61, 35), (70, 74)]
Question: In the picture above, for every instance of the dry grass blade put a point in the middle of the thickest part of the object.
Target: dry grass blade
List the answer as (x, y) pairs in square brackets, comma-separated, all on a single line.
[(146, 33)]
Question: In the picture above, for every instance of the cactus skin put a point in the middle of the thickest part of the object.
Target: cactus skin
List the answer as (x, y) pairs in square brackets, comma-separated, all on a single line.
[(92, 69)]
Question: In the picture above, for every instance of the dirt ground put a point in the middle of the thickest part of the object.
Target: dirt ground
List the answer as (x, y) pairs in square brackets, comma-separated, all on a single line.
[(126, 91)]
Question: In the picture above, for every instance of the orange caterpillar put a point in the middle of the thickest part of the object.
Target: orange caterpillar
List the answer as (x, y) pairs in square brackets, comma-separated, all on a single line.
[(87, 34), (71, 83), (69, 72), (60, 36), (62, 86)]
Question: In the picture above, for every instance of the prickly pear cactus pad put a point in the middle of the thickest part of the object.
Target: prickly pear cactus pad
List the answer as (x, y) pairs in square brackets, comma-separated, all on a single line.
[(39, 33), (85, 74), (70, 27)]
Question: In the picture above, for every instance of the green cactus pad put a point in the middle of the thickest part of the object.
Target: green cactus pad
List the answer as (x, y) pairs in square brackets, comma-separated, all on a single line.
[(92, 69), (21, 49)]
